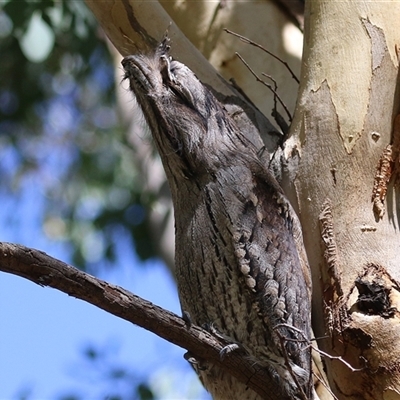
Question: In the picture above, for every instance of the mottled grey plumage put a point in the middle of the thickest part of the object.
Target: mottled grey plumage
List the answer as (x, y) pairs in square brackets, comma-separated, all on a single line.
[(239, 260)]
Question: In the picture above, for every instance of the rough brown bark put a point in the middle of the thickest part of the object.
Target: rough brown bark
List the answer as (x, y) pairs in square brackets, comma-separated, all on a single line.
[(44, 270)]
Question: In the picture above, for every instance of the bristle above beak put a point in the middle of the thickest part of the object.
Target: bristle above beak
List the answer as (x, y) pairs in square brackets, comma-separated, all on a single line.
[(164, 46)]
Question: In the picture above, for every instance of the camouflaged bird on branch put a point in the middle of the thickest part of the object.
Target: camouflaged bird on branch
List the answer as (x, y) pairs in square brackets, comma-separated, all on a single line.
[(240, 262)]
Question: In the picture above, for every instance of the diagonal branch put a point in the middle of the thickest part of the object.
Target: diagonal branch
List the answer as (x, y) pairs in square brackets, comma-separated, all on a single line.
[(44, 270)]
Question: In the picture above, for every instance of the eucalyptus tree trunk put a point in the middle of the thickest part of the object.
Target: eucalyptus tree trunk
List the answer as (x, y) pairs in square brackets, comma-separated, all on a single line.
[(343, 125)]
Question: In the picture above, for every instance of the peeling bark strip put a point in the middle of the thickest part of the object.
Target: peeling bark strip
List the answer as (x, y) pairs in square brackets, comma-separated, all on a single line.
[(382, 177), (238, 264), (388, 165), (335, 312), (378, 43), (330, 253)]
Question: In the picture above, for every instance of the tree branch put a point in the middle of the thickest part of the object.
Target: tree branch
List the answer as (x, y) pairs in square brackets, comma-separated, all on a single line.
[(44, 270)]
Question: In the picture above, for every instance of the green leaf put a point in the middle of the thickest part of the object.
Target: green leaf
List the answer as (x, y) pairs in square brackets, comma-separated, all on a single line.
[(144, 392)]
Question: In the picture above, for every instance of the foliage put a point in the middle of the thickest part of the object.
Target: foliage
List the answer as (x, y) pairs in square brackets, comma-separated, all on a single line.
[(60, 133), (60, 130), (113, 380)]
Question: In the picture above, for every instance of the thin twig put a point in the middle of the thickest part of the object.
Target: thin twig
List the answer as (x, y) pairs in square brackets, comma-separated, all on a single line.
[(305, 339), (275, 86), (318, 350), (324, 384), (352, 369), (294, 329), (282, 340), (267, 85), (275, 113), (246, 40)]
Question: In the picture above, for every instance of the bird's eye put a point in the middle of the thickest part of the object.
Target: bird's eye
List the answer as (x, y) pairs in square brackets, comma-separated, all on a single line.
[(173, 66)]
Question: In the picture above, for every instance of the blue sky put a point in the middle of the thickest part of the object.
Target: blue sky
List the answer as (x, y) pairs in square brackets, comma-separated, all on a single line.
[(43, 330)]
